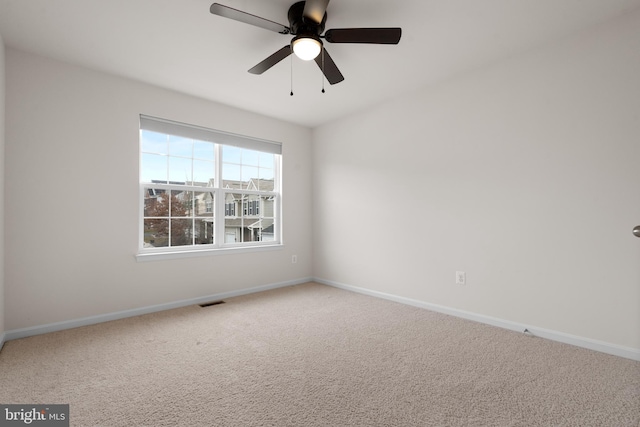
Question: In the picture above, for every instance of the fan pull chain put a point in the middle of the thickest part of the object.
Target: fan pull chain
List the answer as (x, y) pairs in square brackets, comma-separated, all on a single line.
[(322, 69), (291, 56)]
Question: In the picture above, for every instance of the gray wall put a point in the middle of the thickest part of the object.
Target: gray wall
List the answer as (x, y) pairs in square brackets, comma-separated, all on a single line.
[(524, 175), (72, 197)]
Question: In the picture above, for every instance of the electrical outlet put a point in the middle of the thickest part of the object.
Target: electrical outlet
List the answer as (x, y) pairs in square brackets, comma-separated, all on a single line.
[(461, 278), (294, 259)]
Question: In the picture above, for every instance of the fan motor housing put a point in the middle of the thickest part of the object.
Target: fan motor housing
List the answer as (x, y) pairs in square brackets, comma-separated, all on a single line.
[(300, 25)]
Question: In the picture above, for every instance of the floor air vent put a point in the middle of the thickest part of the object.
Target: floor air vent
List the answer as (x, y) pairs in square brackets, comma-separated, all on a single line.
[(209, 304)]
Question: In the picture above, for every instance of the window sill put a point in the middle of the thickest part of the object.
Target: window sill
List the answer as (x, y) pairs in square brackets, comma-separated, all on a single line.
[(160, 256)]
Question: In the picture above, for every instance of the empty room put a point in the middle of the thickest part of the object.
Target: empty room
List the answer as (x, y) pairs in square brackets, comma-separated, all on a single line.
[(320, 213)]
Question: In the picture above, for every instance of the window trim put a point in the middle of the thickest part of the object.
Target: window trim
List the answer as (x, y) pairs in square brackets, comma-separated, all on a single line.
[(194, 253), (219, 138)]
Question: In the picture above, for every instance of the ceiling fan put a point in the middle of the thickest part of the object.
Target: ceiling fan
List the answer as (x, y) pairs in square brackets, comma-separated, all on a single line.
[(307, 20)]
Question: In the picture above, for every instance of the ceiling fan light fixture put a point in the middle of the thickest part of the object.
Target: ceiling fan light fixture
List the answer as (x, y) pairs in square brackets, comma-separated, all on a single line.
[(307, 21), (306, 47)]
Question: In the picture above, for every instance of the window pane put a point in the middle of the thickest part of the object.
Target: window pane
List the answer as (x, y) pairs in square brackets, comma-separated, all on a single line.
[(181, 203), (180, 146), (267, 207), (266, 174), (153, 142), (179, 170), (251, 206), (249, 173), (267, 160), (253, 231), (231, 234), (267, 230), (231, 176), (156, 203), (156, 233), (181, 232), (203, 203), (233, 224), (264, 184), (203, 173), (231, 204), (203, 150), (231, 154), (250, 157), (203, 232), (154, 168)]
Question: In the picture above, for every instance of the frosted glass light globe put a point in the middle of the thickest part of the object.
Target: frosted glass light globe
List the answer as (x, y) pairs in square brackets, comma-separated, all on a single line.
[(306, 48)]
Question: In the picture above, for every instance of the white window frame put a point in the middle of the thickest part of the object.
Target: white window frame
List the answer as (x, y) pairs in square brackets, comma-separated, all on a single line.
[(218, 138)]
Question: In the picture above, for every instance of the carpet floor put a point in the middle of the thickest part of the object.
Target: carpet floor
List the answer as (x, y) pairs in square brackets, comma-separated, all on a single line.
[(313, 355)]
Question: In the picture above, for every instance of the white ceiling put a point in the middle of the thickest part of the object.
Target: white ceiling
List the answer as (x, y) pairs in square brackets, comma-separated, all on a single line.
[(179, 45)]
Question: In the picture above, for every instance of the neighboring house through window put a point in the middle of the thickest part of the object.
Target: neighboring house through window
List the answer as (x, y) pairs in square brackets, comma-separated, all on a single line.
[(206, 189)]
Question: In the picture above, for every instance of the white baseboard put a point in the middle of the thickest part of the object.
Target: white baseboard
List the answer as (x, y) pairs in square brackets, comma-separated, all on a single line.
[(616, 350), (603, 347), (92, 320)]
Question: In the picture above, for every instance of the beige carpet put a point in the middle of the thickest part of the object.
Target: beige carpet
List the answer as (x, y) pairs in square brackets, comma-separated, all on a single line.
[(312, 355)]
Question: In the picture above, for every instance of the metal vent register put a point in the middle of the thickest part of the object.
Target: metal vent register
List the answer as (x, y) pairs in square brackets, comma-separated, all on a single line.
[(209, 304)]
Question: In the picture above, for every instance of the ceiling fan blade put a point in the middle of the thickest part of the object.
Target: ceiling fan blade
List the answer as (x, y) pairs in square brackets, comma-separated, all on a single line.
[(329, 68), (315, 10), (364, 35), (247, 18), (271, 61)]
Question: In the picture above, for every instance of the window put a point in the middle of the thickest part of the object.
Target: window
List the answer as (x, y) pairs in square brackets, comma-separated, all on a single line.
[(203, 189)]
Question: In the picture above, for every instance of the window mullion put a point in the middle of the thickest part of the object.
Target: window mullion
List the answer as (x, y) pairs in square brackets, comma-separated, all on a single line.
[(169, 219), (193, 215), (219, 200), (277, 189)]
